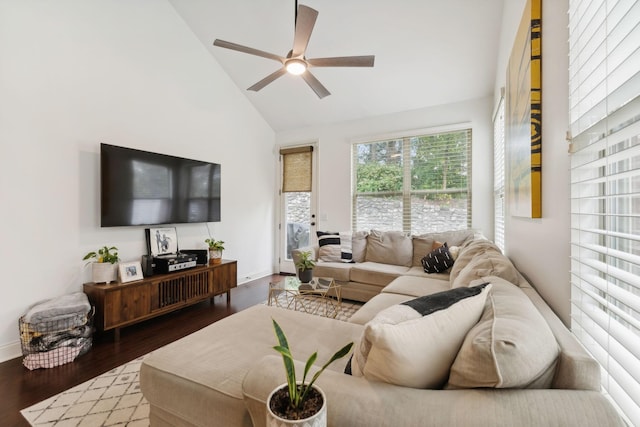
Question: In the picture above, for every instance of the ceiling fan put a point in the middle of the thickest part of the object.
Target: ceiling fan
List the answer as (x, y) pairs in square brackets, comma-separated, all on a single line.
[(295, 62)]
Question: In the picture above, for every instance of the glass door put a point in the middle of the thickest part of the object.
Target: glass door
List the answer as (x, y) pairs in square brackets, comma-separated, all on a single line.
[(297, 203)]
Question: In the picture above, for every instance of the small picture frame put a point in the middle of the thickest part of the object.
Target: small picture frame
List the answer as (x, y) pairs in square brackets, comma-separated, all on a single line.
[(130, 271)]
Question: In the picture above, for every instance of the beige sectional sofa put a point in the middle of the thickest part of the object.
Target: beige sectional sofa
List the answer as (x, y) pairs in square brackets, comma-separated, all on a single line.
[(379, 258), (517, 365)]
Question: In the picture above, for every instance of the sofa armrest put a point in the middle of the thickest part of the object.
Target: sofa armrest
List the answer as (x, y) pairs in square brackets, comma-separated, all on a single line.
[(355, 401)]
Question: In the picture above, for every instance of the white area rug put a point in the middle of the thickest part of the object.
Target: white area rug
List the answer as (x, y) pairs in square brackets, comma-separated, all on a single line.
[(114, 398), (111, 399)]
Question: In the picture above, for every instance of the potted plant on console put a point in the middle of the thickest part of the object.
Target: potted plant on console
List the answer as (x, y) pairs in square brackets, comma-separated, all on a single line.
[(305, 265), (299, 403), (215, 250), (104, 268)]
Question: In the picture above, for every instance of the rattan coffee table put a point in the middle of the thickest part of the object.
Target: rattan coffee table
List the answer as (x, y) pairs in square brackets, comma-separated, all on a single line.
[(321, 296)]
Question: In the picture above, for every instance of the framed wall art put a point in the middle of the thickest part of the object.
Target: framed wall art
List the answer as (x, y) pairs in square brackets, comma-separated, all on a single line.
[(523, 124)]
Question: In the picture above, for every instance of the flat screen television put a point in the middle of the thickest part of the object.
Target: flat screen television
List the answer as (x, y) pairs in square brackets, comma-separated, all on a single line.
[(144, 188)]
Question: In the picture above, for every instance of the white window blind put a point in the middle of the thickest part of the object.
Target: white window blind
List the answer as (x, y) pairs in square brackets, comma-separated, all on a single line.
[(416, 184), (498, 175), (604, 85)]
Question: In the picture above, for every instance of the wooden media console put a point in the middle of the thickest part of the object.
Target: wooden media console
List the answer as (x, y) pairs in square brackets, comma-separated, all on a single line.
[(122, 304)]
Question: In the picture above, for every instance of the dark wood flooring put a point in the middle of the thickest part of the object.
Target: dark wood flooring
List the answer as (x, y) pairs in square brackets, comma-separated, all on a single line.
[(22, 388)]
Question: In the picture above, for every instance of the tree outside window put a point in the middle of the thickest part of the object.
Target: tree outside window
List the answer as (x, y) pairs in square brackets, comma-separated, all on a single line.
[(416, 184)]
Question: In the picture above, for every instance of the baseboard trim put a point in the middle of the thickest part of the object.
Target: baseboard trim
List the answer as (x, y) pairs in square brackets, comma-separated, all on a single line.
[(254, 276), (10, 351)]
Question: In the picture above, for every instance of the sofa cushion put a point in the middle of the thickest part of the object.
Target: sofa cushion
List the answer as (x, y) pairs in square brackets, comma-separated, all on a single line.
[(417, 286), (375, 305), (438, 260), (413, 344), (482, 249), (377, 274), (469, 250), (511, 346), (419, 272), (339, 271), (402, 289), (389, 247), (359, 245), (423, 243), (490, 264), (346, 253)]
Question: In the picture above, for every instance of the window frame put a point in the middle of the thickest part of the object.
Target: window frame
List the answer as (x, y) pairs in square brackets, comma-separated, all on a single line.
[(406, 192)]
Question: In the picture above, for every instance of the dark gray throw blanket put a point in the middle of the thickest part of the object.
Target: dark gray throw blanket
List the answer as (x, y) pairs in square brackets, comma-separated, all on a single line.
[(71, 308)]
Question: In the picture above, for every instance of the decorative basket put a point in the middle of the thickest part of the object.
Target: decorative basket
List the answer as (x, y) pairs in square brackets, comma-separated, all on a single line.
[(56, 342)]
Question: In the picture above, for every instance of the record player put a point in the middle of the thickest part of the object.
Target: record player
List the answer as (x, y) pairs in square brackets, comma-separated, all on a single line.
[(162, 246), (173, 262)]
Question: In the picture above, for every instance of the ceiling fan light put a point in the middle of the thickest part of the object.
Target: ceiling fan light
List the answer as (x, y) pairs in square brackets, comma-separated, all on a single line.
[(296, 66)]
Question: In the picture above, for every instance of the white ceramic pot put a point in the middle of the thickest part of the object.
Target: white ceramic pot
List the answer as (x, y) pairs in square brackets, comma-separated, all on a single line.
[(317, 420), (104, 272)]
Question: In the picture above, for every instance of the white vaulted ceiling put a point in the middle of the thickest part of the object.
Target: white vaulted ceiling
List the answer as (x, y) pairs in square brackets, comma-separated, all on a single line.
[(428, 52)]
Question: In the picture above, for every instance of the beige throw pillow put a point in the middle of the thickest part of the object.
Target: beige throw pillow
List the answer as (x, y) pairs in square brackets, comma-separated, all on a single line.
[(511, 346), (329, 246), (413, 344), (389, 247), (359, 245)]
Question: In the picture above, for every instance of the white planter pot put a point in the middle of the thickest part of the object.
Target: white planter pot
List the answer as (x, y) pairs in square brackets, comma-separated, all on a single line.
[(317, 420), (104, 272)]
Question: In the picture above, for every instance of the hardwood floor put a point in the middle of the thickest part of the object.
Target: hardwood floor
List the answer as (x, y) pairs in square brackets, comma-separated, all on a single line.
[(22, 388)]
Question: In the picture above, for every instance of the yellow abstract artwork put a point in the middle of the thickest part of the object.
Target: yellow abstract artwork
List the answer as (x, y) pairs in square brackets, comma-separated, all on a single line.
[(524, 116)]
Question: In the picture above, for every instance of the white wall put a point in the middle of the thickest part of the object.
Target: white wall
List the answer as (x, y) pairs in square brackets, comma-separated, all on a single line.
[(540, 247), (77, 73), (334, 151)]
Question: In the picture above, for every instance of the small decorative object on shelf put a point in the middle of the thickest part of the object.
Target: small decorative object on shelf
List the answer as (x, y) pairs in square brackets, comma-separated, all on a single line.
[(298, 403), (215, 250), (130, 271), (104, 267), (305, 265)]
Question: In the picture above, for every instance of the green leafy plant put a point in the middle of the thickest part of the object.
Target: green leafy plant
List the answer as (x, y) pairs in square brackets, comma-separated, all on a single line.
[(104, 254), (305, 262), (298, 392), (216, 245)]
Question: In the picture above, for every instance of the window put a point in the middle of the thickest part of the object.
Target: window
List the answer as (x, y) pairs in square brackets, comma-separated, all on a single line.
[(417, 184), (498, 175), (604, 84)]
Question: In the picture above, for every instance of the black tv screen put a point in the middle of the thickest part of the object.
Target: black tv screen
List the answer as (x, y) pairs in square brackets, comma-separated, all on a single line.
[(143, 188)]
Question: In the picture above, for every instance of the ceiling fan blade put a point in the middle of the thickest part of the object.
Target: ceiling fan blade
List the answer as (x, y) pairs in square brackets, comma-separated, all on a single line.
[(305, 21), (343, 61), (271, 77), (315, 84), (249, 50)]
